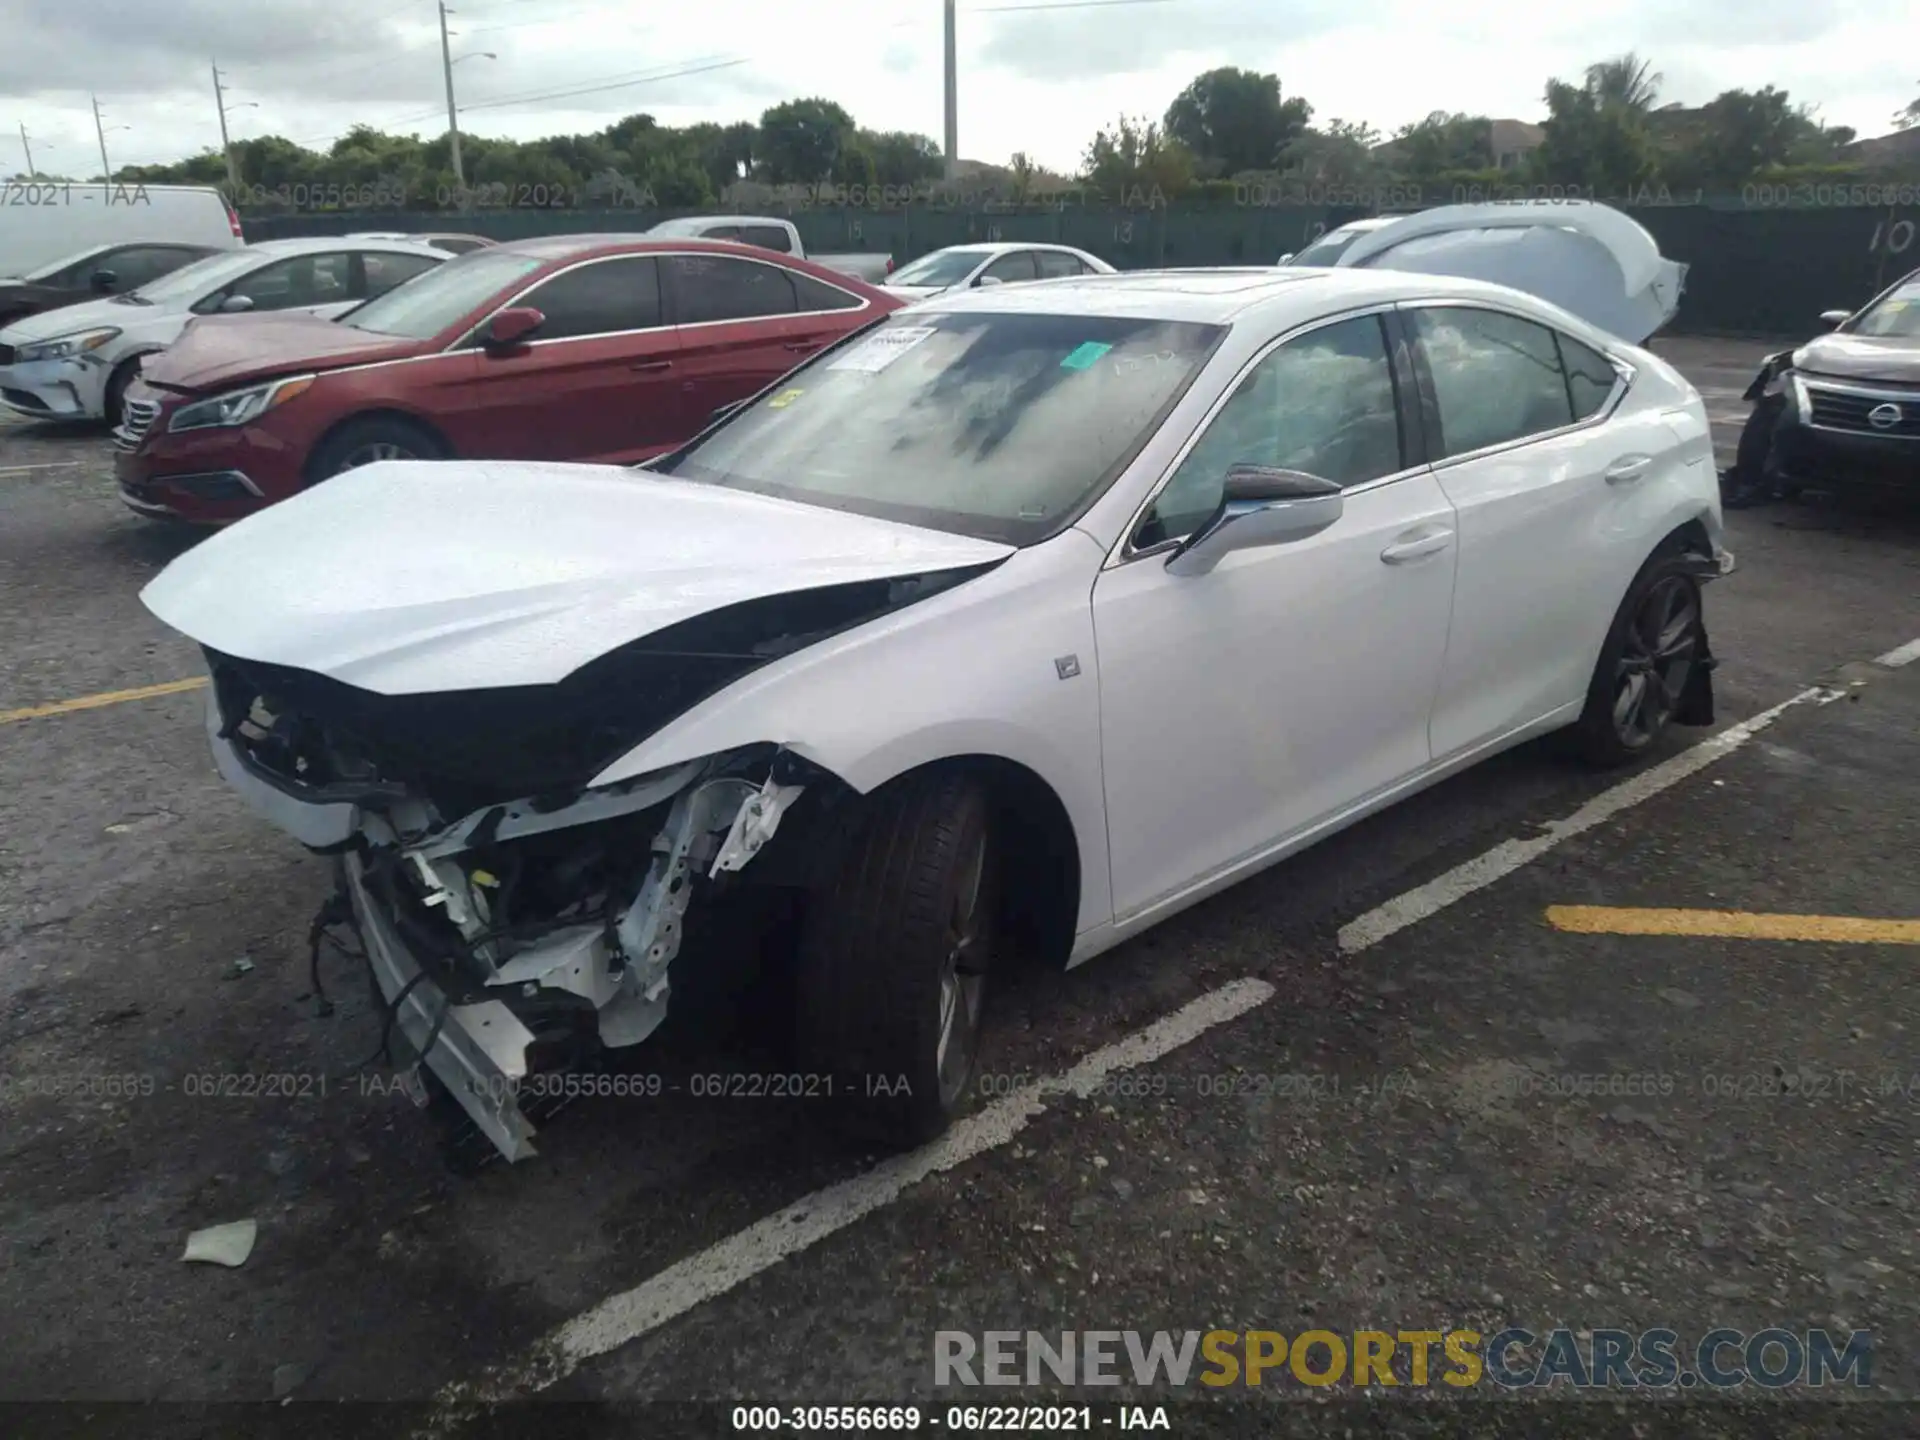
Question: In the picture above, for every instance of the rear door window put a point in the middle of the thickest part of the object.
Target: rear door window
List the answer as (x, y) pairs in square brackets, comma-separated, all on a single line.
[(1057, 264), (1496, 377), (812, 295), (1590, 376), (709, 288)]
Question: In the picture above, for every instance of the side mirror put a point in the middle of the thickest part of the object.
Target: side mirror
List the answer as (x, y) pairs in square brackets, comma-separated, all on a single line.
[(986, 280), (1259, 505), (1831, 318), (1284, 258), (236, 305), (510, 327), (103, 281)]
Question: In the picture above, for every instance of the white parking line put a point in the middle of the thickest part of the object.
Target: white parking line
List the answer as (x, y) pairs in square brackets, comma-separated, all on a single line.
[(679, 1288), (728, 1263), (1508, 856), (1903, 655)]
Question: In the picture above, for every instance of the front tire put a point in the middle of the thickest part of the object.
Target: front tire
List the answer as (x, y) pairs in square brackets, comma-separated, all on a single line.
[(1657, 638), (114, 404), (363, 442), (894, 957)]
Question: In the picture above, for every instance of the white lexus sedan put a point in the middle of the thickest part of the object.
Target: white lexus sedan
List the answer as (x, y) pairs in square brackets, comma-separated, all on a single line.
[(75, 363), (1019, 621)]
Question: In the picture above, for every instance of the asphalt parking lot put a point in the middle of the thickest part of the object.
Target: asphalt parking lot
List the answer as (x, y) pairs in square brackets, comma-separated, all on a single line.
[(1395, 1093)]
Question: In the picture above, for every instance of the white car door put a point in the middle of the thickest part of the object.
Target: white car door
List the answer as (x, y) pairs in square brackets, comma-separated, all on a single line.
[(1241, 706), (1541, 467)]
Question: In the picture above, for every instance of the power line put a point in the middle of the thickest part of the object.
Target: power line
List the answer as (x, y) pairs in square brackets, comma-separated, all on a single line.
[(698, 69)]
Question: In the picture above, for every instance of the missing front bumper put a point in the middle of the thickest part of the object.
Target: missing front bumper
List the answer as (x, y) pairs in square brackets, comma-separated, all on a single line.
[(478, 1050)]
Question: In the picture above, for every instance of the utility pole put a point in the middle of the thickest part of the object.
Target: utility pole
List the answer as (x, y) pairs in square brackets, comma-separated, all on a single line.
[(953, 101), (453, 119), (99, 130), (226, 146), (31, 172)]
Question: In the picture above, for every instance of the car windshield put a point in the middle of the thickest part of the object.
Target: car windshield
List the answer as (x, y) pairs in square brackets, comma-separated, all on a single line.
[(999, 426), (687, 227), (1328, 248), (190, 282), (942, 268), (441, 297), (1897, 317)]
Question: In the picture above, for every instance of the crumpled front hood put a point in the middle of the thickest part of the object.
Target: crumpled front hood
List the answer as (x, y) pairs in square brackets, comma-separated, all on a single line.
[(220, 351), (410, 577), (1861, 357)]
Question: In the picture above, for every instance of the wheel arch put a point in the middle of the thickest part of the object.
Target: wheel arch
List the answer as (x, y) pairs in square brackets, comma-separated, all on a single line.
[(1040, 852), (376, 412)]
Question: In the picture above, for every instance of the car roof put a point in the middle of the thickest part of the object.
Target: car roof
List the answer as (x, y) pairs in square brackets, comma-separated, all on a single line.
[(566, 247), (1220, 296), (728, 219), (1000, 247), (315, 244)]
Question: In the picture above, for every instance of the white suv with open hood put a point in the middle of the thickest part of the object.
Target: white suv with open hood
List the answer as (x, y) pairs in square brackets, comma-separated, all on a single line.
[(1023, 619)]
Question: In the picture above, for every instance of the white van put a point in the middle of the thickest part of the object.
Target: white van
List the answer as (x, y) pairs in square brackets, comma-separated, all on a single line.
[(43, 220)]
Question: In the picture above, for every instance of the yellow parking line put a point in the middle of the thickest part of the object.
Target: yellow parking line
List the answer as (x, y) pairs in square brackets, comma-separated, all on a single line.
[(1731, 925), (95, 702)]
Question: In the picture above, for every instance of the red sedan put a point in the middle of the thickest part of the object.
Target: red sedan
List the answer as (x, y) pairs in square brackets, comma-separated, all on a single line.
[(576, 347)]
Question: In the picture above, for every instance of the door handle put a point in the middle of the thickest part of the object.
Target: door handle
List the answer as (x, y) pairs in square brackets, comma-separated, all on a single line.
[(1431, 543), (1628, 468), (651, 367)]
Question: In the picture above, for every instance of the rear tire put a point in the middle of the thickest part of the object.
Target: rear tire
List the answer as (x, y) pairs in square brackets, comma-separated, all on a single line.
[(362, 442), (894, 956), (1657, 637)]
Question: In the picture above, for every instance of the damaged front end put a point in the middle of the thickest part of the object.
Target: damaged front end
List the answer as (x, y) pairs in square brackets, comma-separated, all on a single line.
[(519, 936)]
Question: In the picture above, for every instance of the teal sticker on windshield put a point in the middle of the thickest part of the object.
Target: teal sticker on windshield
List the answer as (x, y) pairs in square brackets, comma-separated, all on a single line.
[(1084, 356)]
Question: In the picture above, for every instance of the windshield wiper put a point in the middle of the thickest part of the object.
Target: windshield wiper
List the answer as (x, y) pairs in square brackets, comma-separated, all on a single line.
[(130, 300)]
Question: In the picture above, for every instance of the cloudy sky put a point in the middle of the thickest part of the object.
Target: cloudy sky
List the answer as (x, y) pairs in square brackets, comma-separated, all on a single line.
[(1034, 77)]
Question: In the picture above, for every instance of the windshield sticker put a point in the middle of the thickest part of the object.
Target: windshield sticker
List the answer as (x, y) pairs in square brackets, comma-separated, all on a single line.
[(878, 351), (784, 399), (1083, 357)]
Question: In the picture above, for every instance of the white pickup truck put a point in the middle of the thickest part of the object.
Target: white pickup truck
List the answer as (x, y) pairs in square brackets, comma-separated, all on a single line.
[(772, 233)]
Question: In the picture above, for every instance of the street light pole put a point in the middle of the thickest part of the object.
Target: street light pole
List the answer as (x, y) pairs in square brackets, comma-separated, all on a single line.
[(106, 170), (226, 146), (953, 99), (453, 119), (31, 172)]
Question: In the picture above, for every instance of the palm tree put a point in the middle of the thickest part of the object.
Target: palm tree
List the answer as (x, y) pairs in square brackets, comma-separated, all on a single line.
[(1626, 82), (1908, 118)]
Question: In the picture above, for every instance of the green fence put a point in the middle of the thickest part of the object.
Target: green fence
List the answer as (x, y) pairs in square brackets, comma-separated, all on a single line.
[(1753, 269)]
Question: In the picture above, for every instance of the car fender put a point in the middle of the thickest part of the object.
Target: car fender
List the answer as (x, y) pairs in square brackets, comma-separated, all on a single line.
[(1771, 369), (1001, 666)]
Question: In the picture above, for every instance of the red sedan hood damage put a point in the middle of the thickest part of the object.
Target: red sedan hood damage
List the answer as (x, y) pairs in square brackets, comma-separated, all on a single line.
[(217, 352)]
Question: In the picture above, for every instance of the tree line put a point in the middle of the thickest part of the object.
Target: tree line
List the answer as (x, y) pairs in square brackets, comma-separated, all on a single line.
[(1605, 134)]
